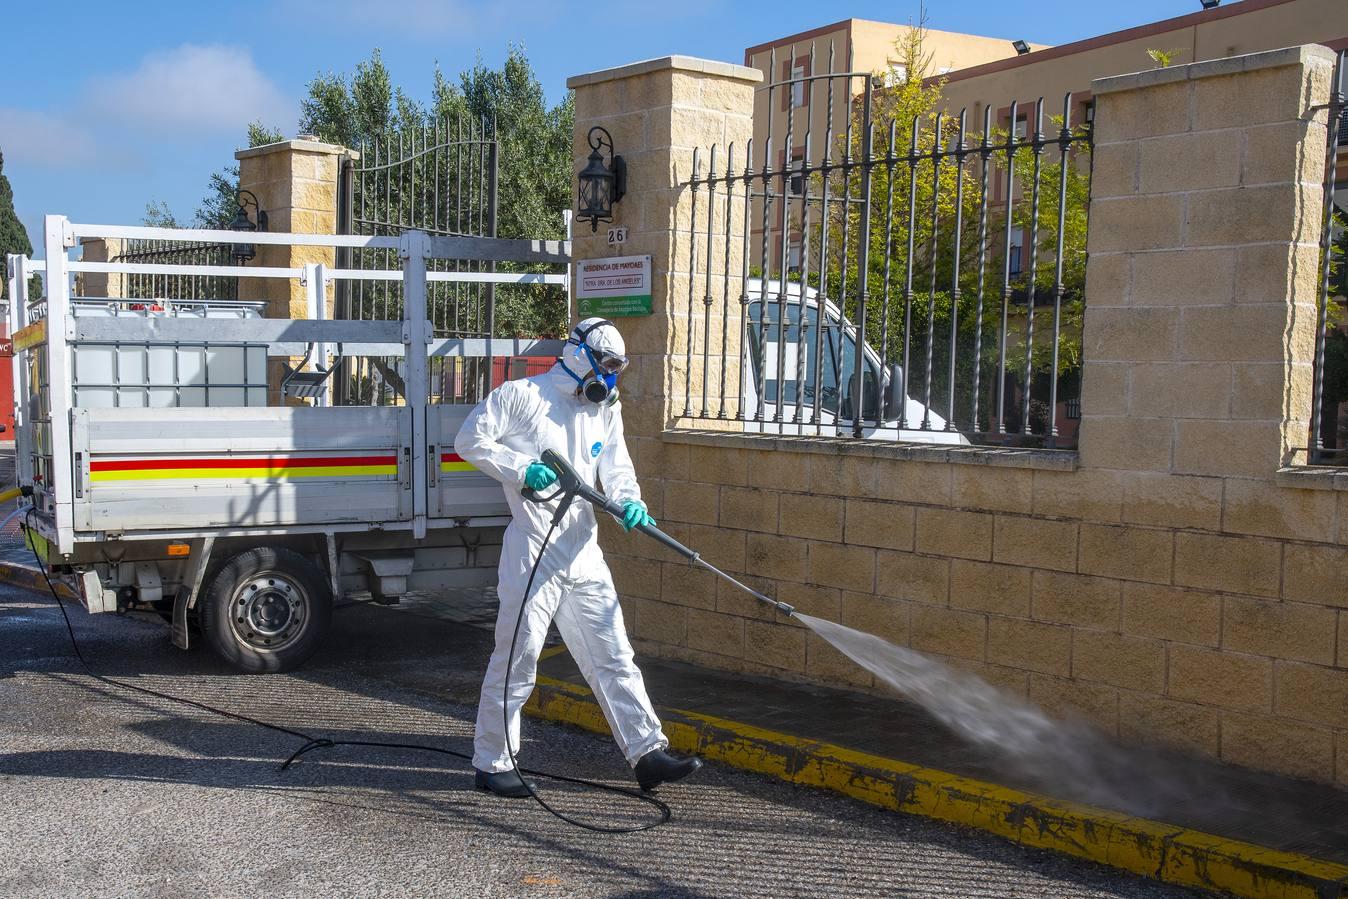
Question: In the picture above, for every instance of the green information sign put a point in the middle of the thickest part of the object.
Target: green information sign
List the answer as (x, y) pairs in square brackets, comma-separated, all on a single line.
[(613, 287), (609, 307)]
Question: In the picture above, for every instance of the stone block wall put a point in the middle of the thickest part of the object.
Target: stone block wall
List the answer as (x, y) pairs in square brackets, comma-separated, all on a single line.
[(1180, 580)]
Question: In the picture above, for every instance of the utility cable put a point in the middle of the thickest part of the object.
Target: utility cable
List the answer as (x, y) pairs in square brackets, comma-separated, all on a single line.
[(312, 742)]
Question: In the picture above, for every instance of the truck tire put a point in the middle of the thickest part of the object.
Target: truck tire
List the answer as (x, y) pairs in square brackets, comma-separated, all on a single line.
[(266, 610)]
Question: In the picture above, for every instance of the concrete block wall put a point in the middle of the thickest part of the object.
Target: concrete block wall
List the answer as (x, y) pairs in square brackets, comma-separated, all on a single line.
[(1180, 580)]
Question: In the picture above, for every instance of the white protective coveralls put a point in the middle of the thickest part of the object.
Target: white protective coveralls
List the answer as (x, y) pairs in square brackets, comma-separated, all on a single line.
[(501, 436)]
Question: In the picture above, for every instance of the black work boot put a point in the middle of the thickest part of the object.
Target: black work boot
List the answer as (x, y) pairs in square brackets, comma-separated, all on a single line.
[(503, 783), (657, 767)]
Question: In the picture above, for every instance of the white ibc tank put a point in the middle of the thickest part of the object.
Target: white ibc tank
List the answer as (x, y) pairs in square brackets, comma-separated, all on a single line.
[(159, 375)]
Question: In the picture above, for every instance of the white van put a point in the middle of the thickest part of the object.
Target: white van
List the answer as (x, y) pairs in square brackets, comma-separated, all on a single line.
[(765, 359)]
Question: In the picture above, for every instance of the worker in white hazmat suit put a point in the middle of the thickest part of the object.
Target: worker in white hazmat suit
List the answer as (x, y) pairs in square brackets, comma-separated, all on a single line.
[(572, 409)]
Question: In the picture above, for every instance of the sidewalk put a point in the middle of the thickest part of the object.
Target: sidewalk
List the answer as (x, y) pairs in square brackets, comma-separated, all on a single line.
[(1218, 827)]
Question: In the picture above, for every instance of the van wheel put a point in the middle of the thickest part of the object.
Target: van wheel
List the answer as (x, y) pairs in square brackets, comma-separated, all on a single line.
[(266, 610)]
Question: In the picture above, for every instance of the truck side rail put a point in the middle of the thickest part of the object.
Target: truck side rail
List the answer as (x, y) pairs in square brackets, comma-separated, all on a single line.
[(125, 468)]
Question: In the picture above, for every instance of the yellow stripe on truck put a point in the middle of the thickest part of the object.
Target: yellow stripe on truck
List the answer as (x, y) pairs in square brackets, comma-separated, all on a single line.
[(219, 474)]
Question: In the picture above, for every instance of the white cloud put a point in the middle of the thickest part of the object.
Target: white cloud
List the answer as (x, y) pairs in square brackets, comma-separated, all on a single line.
[(29, 137), (199, 88)]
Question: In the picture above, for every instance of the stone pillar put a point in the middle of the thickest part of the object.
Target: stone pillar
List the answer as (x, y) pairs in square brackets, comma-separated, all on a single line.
[(295, 182), (101, 284), (657, 112), (1200, 324), (1198, 341)]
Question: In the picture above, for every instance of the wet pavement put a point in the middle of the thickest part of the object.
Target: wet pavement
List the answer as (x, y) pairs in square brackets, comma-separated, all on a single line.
[(110, 792), (1264, 809)]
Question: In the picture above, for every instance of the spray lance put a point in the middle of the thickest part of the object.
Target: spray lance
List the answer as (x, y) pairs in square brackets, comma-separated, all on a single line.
[(570, 485)]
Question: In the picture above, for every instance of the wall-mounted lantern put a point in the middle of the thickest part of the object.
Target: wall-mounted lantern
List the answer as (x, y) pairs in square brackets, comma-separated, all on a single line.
[(242, 252), (601, 185)]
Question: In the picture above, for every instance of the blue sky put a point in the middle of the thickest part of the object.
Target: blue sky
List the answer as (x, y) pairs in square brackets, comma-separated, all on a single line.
[(105, 106)]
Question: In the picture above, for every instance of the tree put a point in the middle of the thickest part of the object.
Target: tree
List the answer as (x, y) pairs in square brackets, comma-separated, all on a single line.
[(218, 207), (350, 111), (365, 108), (1335, 359), (1163, 58), (535, 139), (158, 215), (13, 235), (910, 123)]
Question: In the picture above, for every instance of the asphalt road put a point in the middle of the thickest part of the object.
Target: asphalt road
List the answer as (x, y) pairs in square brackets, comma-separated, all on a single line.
[(111, 793)]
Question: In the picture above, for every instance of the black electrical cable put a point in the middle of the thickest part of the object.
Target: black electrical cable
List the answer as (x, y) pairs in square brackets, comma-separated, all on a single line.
[(312, 742)]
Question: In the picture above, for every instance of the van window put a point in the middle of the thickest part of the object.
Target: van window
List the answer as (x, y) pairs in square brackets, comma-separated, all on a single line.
[(828, 376)]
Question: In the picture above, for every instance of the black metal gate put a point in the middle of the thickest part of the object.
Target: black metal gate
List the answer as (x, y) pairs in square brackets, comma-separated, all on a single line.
[(143, 286), (900, 277), (1330, 390), (441, 179)]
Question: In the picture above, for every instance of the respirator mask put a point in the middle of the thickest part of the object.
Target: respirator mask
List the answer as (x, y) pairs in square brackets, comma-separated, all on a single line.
[(600, 367)]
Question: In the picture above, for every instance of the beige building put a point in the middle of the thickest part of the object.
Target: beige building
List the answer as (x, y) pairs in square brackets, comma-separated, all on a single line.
[(983, 70), (798, 115), (1232, 29)]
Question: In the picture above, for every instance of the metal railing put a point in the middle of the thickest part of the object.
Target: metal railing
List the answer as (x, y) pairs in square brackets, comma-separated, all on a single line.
[(441, 179), (942, 240), (1330, 388), (140, 286)]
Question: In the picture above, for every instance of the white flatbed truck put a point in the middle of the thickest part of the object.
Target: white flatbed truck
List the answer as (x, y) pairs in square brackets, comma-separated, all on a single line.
[(163, 480)]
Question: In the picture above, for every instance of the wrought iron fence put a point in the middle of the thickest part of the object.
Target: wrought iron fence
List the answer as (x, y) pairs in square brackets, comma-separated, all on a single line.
[(937, 243), (140, 286), (1330, 390), (442, 179)]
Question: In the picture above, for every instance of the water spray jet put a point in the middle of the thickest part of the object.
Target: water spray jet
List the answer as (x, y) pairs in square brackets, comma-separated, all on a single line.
[(1053, 753)]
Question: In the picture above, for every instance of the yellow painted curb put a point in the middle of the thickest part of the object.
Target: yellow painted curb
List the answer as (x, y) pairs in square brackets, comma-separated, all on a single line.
[(30, 578), (1161, 851)]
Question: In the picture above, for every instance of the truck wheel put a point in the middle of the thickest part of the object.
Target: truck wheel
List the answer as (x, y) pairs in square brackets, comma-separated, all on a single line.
[(266, 610)]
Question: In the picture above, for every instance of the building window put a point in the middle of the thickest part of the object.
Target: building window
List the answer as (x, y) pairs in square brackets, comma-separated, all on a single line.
[(1017, 249), (797, 172), (895, 74), (793, 255), (798, 86)]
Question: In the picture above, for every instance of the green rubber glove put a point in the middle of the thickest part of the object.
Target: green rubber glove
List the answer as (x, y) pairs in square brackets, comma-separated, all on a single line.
[(537, 476), (635, 514)]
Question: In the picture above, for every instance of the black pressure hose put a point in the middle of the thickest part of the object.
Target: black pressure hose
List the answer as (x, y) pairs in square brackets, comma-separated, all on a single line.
[(312, 742), (505, 707)]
